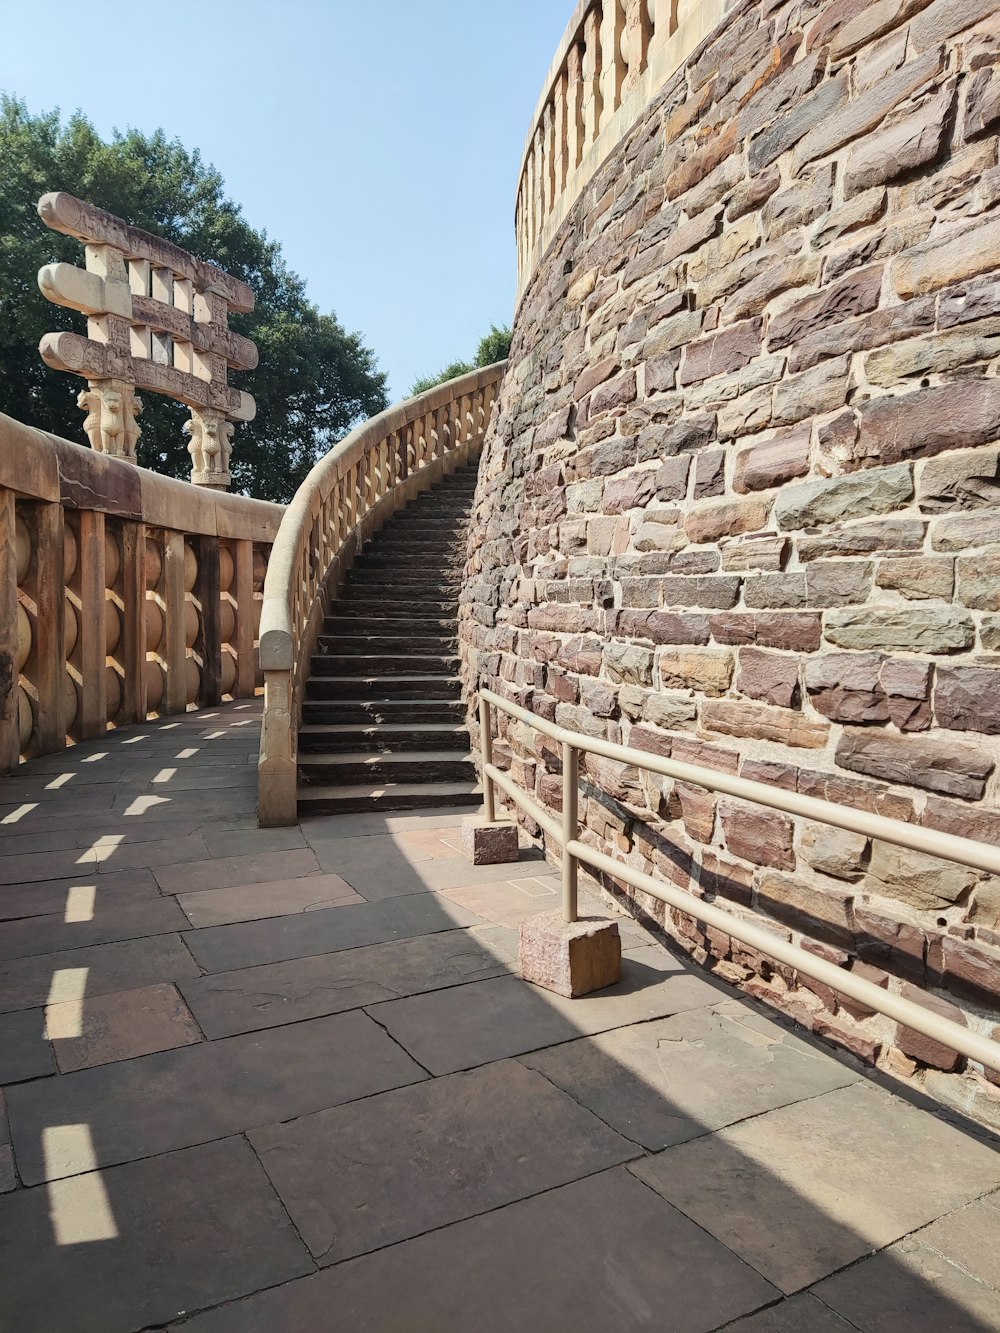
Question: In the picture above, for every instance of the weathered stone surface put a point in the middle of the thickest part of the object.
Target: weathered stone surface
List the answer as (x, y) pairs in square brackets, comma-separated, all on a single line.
[(854, 295), (901, 146), (962, 532), (758, 835), (771, 677), (776, 590), (896, 945), (944, 18), (727, 518), (950, 416), (821, 913), (923, 882), (836, 498), (846, 687), (722, 353), (863, 538), (952, 257), (936, 354), (968, 699), (625, 662), (926, 1049), (920, 630), (571, 960), (918, 578), (978, 580), (834, 851), (982, 103), (759, 722), (487, 843), (772, 462), (799, 633), (709, 673), (765, 552), (967, 479), (936, 764)]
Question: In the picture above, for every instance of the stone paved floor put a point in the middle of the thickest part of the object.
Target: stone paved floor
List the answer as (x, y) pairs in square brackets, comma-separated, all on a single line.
[(289, 1081)]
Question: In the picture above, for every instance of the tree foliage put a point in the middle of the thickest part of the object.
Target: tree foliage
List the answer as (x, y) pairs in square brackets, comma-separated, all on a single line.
[(314, 380), (493, 346)]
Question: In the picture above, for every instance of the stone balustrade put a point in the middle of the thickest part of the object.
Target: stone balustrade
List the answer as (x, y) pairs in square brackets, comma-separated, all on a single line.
[(123, 594), (613, 59), (348, 495)]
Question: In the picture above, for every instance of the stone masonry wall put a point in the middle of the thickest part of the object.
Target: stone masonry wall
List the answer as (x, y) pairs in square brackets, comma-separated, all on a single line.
[(741, 501)]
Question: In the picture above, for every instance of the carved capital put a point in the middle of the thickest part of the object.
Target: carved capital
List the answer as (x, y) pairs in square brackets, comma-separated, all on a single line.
[(210, 438), (110, 424)]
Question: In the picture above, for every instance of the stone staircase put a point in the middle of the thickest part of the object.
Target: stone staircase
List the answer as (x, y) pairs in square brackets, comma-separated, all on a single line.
[(383, 724)]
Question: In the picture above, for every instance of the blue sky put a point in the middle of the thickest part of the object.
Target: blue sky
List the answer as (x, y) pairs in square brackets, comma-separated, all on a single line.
[(378, 140)]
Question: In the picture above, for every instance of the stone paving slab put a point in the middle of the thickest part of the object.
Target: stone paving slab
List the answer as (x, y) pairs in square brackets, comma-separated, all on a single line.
[(385, 871), (24, 1050), (178, 1098), (225, 1003), (328, 828), (510, 901), (914, 1289), (56, 896), (356, 1179), (118, 1250), (232, 871), (240, 841), (492, 1020), (804, 1313), (92, 920), (674, 1079), (119, 1027), (834, 1178), (254, 902), (253, 943), (76, 973), (602, 1255)]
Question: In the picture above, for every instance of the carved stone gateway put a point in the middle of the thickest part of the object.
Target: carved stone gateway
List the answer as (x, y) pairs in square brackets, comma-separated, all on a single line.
[(158, 320)]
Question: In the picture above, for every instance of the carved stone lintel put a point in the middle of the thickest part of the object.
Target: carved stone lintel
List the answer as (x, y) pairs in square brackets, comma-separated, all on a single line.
[(210, 438), (110, 424)]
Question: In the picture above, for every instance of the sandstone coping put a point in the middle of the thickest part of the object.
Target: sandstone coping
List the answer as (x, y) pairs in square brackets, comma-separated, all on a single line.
[(612, 61)]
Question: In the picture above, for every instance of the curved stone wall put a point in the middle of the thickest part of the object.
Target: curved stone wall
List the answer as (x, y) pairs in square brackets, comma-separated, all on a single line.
[(740, 501)]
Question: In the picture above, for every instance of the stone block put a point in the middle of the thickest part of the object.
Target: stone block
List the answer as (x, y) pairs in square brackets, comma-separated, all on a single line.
[(965, 479), (967, 699), (937, 630), (923, 882), (918, 578), (926, 1049), (726, 518), (897, 148), (488, 842), (772, 462), (950, 258), (784, 726), (772, 678), (933, 763), (979, 581), (835, 498), (757, 834), (854, 295), (797, 632), (722, 353), (834, 851), (815, 911), (959, 415), (570, 959)]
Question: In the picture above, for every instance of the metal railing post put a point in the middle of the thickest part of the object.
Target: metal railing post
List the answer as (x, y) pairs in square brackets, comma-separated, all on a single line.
[(570, 820), (486, 742)]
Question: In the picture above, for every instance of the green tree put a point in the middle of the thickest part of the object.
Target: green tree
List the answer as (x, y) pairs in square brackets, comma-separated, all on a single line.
[(494, 346), (314, 380)]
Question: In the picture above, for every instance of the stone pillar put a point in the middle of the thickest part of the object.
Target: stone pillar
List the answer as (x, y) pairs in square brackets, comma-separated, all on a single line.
[(210, 441), (9, 687)]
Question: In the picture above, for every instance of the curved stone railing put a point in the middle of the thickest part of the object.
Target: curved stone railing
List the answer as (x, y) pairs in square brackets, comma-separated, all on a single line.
[(122, 593), (347, 496), (614, 57)]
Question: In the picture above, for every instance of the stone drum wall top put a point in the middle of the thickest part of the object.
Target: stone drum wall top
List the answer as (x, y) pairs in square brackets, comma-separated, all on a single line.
[(741, 499)]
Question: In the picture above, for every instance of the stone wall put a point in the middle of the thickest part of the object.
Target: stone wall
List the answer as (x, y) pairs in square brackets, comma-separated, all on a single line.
[(741, 501)]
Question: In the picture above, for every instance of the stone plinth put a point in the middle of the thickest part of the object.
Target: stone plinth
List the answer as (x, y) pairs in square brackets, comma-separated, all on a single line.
[(570, 959), (488, 842)]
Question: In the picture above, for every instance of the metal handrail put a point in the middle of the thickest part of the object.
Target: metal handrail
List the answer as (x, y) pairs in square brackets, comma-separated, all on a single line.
[(565, 832)]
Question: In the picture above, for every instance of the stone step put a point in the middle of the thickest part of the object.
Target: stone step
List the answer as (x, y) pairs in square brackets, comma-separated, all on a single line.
[(395, 664), (383, 626), (370, 568), (381, 737), (362, 689), (388, 796), (403, 766), (390, 712), (377, 645), (367, 605)]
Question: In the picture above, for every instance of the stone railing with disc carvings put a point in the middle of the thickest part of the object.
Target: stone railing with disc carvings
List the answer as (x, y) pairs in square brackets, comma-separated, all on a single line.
[(157, 320), (123, 594), (348, 495), (614, 57)]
